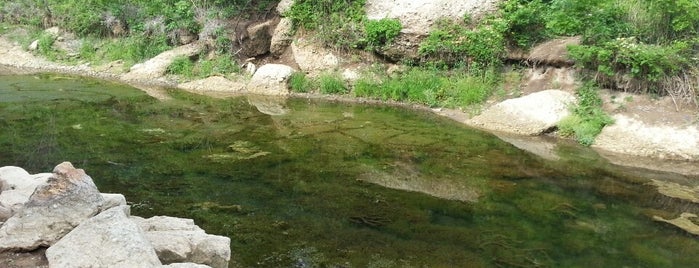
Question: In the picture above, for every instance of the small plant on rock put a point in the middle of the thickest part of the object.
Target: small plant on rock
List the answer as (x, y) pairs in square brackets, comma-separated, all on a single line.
[(382, 32)]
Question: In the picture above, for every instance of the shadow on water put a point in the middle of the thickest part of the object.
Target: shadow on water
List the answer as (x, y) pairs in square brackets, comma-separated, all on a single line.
[(302, 183)]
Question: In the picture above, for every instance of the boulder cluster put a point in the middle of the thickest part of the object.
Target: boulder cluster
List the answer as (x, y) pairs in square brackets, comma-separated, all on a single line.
[(81, 227)]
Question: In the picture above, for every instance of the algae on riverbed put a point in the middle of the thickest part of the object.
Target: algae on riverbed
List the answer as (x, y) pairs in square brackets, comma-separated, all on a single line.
[(306, 198)]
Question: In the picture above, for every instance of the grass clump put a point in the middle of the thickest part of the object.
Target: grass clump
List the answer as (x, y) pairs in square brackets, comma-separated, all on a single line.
[(430, 86), (300, 83), (188, 68), (587, 117), (331, 83)]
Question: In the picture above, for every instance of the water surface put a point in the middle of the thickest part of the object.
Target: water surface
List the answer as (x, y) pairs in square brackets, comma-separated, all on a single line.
[(343, 185)]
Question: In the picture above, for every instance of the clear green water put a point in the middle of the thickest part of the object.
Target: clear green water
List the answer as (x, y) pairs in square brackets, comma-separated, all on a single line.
[(300, 189)]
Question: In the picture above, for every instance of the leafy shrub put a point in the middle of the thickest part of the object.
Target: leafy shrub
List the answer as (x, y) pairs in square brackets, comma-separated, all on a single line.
[(383, 31), (452, 43), (299, 82), (587, 118), (331, 84), (339, 23), (181, 66), (135, 48), (526, 23), (45, 44), (646, 62)]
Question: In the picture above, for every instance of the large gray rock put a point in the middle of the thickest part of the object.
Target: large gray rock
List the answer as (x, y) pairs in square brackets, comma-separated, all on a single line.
[(179, 240), (258, 39), (282, 37), (156, 67), (532, 114), (271, 79), (632, 136), (213, 84), (113, 200), (284, 6), (68, 198), (109, 239), (16, 185), (311, 57), (418, 16)]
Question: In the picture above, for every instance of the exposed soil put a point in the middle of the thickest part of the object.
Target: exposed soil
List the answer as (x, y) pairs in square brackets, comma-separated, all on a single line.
[(35, 259)]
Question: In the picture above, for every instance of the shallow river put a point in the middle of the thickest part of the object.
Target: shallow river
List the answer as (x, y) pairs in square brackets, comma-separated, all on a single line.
[(319, 184)]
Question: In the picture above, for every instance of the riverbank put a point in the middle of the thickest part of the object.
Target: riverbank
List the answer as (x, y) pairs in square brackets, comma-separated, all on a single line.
[(647, 134)]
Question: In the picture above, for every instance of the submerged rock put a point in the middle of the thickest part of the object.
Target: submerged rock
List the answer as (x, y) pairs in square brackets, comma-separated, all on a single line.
[(109, 239), (68, 198), (676, 190), (683, 222)]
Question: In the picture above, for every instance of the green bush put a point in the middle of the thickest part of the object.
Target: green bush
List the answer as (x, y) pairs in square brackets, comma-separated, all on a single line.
[(452, 43), (339, 23), (382, 32), (587, 117), (330, 83), (181, 66), (649, 63), (219, 65), (526, 24), (300, 83)]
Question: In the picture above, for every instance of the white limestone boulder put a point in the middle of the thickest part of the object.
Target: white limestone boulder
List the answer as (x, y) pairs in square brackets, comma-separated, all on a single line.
[(109, 239), (68, 198), (532, 114), (270, 79)]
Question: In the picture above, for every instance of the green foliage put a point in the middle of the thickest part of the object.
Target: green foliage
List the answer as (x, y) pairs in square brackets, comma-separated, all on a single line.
[(452, 43), (339, 23), (587, 118), (182, 66), (311, 14), (628, 56), (331, 83), (526, 22), (45, 44), (431, 87), (382, 32), (134, 48), (219, 65), (300, 83)]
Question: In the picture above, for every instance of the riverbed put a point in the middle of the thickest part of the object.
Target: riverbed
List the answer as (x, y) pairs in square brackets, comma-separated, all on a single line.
[(311, 183)]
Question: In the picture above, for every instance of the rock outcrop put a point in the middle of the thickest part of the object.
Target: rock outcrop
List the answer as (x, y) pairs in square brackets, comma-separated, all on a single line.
[(109, 239), (311, 57), (419, 16), (213, 84), (60, 214), (281, 37), (16, 185), (270, 79), (258, 39), (68, 198), (630, 136), (180, 240), (156, 67), (532, 114)]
